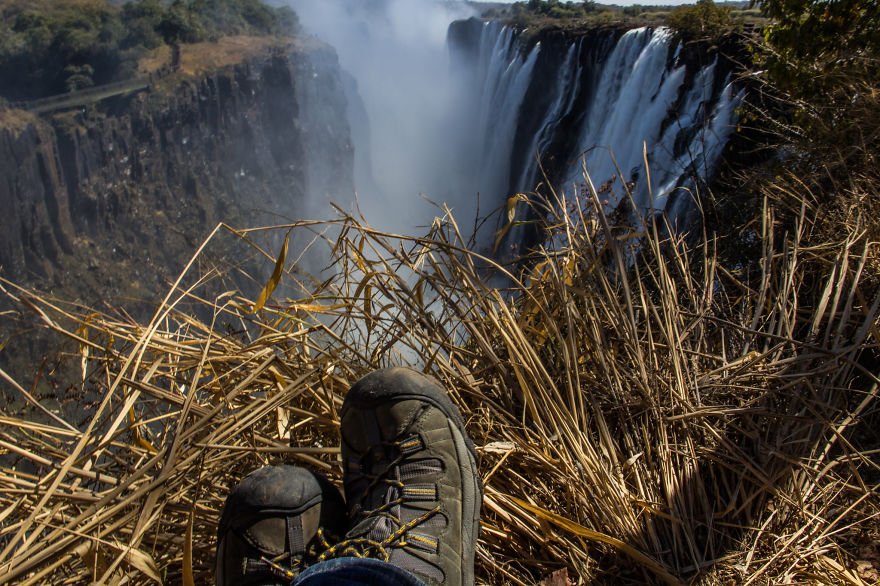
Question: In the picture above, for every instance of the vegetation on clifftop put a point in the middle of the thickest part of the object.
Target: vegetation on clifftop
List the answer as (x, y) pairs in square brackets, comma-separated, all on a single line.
[(819, 106), (54, 46), (704, 19)]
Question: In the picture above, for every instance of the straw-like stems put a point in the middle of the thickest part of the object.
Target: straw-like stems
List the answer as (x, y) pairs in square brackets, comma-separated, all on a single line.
[(642, 412)]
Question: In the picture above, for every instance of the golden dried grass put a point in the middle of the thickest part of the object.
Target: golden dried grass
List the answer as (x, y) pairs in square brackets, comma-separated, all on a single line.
[(198, 58), (154, 60), (643, 415), (15, 121)]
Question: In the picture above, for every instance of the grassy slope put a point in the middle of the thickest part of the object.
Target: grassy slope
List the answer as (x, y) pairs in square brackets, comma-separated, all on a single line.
[(16, 120)]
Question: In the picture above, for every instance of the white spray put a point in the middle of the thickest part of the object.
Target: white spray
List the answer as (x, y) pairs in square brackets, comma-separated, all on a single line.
[(446, 136), (396, 52)]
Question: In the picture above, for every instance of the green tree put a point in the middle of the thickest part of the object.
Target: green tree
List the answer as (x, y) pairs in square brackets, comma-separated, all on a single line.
[(705, 19), (288, 21), (821, 40), (180, 25), (78, 77), (141, 20)]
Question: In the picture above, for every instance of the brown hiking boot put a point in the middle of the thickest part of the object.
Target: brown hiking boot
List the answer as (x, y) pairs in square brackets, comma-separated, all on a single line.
[(274, 524), (411, 480)]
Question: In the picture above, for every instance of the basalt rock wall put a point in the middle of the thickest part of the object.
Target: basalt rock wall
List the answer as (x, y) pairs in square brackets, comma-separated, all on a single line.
[(111, 200)]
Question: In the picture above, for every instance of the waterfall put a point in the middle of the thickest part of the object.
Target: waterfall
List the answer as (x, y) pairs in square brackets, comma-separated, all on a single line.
[(563, 93), (634, 99), (457, 112), (506, 74), (639, 93)]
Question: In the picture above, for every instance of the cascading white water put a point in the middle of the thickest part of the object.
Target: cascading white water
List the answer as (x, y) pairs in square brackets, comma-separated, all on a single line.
[(506, 75), (564, 92), (634, 96), (639, 105), (638, 93), (480, 123)]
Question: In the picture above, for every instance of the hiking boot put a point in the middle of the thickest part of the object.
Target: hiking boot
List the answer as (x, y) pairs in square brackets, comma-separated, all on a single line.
[(411, 480), (274, 524)]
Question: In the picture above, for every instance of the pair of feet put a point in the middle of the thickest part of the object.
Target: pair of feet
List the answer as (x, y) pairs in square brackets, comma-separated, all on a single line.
[(412, 494)]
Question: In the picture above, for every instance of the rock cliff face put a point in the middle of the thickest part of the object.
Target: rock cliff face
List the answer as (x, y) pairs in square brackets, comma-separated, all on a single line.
[(113, 199)]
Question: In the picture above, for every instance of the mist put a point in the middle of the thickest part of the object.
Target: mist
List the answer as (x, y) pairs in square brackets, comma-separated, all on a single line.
[(404, 127)]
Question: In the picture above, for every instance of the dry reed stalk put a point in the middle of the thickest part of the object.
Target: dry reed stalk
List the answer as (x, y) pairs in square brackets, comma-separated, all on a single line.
[(642, 413)]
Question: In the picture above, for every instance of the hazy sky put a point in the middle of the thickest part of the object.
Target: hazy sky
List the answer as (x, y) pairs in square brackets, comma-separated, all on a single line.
[(628, 2)]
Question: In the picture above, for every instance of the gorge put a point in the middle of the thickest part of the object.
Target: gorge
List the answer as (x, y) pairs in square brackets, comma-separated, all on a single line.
[(426, 106), (469, 112), (639, 256)]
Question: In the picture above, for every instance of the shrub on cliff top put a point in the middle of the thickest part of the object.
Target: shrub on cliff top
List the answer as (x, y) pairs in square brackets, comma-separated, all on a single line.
[(210, 19), (812, 38), (705, 19), (53, 46), (553, 8), (820, 64)]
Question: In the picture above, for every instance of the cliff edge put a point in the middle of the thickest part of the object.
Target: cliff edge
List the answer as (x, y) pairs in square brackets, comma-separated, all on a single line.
[(108, 201)]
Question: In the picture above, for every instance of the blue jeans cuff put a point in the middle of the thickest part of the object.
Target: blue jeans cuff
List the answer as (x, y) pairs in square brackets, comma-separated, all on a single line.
[(356, 572)]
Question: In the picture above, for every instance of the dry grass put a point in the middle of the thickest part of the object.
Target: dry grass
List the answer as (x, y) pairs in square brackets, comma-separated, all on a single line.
[(15, 121), (154, 60), (199, 58), (641, 417)]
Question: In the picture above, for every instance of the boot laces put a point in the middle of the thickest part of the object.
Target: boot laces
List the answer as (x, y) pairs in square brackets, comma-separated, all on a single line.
[(287, 566), (367, 547)]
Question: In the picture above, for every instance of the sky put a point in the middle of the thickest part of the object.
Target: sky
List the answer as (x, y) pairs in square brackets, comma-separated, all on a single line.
[(626, 2)]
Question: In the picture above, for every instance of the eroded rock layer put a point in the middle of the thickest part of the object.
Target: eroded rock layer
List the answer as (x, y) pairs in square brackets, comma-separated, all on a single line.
[(111, 200)]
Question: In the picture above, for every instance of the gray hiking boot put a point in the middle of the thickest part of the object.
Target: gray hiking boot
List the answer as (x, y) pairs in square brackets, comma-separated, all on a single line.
[(411, 478), (275, 523)]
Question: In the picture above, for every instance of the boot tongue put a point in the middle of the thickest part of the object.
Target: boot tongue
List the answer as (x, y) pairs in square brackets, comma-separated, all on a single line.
[(377, 528)]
